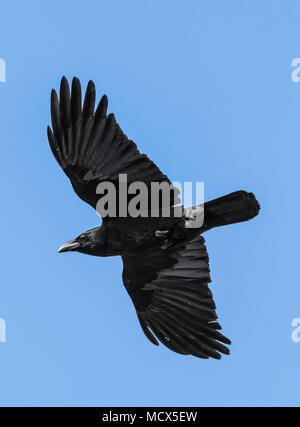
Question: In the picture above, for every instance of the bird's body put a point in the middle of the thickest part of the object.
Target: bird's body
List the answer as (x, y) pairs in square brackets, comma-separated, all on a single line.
[(132, 235), (166, 271)]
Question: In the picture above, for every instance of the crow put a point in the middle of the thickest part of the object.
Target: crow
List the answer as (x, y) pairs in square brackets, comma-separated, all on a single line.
[(165, 262)]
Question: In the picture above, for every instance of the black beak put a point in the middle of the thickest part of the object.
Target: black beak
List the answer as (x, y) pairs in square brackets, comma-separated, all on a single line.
[(72, 245)]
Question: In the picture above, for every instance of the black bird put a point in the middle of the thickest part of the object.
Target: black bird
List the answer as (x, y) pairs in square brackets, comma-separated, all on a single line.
[(165, 263)]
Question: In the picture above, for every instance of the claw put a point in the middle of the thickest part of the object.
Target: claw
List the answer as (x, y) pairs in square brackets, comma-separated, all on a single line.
[(167, 244)]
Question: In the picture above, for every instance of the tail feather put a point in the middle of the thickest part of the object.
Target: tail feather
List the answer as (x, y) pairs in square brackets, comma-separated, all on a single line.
[(235, 207)]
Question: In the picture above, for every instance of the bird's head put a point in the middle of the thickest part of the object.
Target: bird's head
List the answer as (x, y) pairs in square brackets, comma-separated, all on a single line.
[(91, 242)]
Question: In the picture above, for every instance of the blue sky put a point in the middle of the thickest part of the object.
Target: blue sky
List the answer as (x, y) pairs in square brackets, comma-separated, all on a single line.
[(205, 89)]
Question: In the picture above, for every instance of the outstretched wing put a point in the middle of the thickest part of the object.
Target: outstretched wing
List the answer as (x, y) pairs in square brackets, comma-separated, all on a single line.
[(170, 292), (90, 146)]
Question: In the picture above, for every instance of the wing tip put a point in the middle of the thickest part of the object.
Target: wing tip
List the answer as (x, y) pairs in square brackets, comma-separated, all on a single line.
[(147, 331), (64, 87), (91, 85), (53, 95), (76, 85), (64, 80), (49, 132)]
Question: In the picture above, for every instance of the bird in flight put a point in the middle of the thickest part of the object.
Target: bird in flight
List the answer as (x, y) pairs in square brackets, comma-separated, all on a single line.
[(165, 261)]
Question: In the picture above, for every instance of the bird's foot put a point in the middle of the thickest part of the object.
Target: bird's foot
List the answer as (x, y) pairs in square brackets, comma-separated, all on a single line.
[(167, 244), (160, 233)]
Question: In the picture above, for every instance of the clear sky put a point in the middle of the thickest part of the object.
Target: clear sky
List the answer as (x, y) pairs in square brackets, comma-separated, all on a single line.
[(205, 89)]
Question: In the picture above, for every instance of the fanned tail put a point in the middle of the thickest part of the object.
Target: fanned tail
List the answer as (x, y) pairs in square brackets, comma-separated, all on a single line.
[(235, 207)]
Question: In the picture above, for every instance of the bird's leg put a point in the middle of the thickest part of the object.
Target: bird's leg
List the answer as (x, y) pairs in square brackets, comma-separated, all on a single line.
[(164, 233), (161, 233)]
